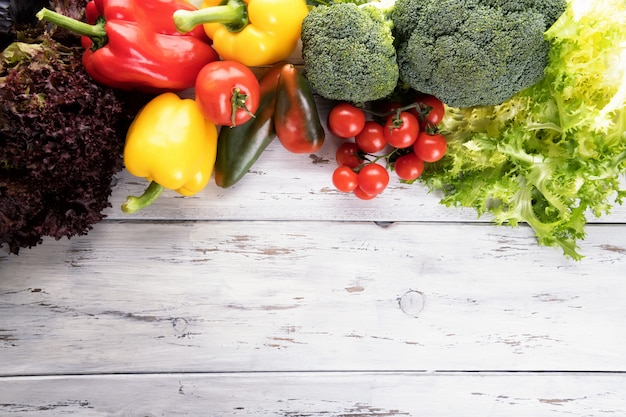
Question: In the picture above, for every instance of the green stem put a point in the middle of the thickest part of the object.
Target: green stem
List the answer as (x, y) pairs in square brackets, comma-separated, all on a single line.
[(96, 33), (238, 101), (149, 196), (394, 111), (233, 14)]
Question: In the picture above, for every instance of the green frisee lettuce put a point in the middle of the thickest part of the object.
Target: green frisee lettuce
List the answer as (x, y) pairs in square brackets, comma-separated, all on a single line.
[(554, 152)]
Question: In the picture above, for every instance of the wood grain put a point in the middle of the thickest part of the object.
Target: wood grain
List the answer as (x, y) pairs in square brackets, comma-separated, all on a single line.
[(312, 296), (317, 395)]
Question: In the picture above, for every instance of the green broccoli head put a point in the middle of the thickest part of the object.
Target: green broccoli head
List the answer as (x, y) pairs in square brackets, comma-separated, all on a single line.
[(472, 52), (348, 53)]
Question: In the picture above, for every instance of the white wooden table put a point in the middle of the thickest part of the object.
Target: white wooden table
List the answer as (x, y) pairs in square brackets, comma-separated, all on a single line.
[(283, 297)]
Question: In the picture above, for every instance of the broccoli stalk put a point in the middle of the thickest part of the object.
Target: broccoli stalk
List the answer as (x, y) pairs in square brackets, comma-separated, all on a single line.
[(348, 51)]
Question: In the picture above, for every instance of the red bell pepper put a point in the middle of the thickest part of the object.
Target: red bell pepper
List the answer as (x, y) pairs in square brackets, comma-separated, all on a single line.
[(134, 45)]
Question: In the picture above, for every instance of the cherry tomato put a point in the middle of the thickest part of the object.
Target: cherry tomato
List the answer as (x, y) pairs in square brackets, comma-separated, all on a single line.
[(409, 167), (227, 93), (401, 132), (430, 147), (359, 193), (430, 112), (345, 120), (348, 154), (345, 179), (371, 138), (373, 179)]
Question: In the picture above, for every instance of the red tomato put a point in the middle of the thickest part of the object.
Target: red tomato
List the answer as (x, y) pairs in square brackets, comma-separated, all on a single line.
[(430, 147), (371, 138), (409, 167), (345, 179), (431, 110), (359, 193), (348, 154), (373, 179), (401, 132), (227, 93), (345, 120)]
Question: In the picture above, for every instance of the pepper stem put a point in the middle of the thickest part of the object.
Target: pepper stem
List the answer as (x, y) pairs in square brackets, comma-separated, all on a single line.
[(96, 33), (149, 196), (233, 14)]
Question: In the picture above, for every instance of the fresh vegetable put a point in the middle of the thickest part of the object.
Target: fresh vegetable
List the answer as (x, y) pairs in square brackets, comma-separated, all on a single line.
[(401, 129), (430, 147), (429, 110), (171, 145), (371, 138), (239, 147), (394, 127), (554, 153), (227, 93), (349, 154), (133, 45), (253, 32), (362, 195), (345, 179), (472, 52), (345, 120), (372, 179), (296, 118), (61, 143), (409, 166), (348, 52)]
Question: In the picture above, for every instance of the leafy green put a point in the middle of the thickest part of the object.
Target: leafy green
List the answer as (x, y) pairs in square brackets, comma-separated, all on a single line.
[(61, 143), (554, 152)]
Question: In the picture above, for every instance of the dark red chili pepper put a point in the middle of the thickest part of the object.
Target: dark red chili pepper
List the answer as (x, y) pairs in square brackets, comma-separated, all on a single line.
[(134, 45), (297, 121)]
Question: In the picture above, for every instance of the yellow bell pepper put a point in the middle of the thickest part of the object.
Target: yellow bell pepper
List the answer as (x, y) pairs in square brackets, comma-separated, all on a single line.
[(172, 145), (252, 32)]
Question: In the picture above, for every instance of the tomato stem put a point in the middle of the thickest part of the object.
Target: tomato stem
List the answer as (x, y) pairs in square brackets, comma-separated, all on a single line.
[(238, 101)]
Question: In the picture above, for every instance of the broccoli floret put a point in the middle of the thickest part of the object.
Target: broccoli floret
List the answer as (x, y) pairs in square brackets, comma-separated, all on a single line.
[(472, 52), (348, 52)]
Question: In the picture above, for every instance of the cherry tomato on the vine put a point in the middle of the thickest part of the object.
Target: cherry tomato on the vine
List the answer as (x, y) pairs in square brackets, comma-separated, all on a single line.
[(227, 93), (345, 120), (409, 167), (373, 178), (430, 147), (345, 179), (348, 154), (431, 110), (359, 193), (371, 138), (401, 132)]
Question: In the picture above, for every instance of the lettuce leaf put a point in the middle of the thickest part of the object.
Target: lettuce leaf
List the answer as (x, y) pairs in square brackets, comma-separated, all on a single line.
[(553, 153)]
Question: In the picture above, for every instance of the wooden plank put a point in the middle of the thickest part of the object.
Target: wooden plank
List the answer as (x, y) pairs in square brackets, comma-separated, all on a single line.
[(312, 296), (317, 395)]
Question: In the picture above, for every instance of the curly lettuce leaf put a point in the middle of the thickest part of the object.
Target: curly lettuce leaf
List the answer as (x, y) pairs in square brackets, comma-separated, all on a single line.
[(554, 152)]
